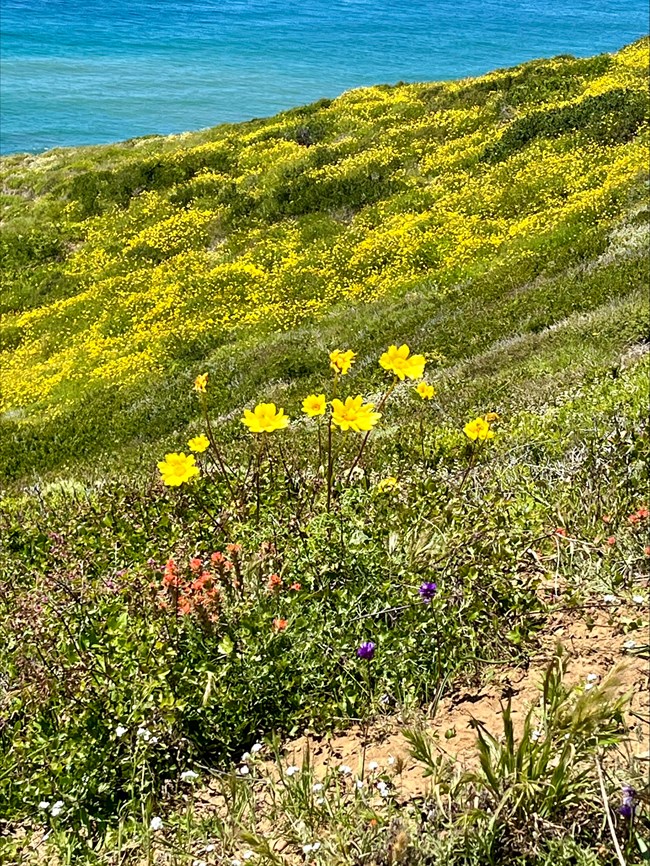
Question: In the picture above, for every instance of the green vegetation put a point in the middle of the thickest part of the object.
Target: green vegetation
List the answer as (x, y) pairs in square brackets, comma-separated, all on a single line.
[(499, 226)]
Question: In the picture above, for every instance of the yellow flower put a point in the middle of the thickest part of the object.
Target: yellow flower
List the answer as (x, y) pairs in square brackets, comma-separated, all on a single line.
[(354, 414), (425, 390), (387, 484), (402, 363), (340, 362), (176, 469), (479, 428), (265, 418), (491, 416), (314, 405), (199, 443), (200, 383)]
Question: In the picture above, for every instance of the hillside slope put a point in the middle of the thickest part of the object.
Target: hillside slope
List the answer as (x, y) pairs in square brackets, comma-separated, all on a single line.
[(129, 268), (482, 494)]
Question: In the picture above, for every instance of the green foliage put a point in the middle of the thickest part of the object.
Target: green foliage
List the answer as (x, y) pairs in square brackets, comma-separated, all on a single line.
[(525, 289), (609, 118)]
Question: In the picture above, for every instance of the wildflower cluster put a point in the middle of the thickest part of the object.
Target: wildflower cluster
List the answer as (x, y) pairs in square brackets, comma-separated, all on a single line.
[(196, 589), (221, 249)]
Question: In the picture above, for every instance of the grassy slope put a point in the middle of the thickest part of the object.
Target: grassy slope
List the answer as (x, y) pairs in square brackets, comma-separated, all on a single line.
[(500, 226), (130, 268)]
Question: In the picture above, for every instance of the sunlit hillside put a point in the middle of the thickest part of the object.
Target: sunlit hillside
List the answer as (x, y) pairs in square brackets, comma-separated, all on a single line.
[(128, 267), (318, 435)]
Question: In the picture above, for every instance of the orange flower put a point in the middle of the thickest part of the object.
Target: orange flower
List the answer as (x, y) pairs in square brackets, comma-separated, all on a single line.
[(195, 563), (170, 577), (646, 550), (217, 558), (280, 624), (233, 548), (275, 582), (296, 587), (607, 518), (611, 541), (183, 605), (560, 531)]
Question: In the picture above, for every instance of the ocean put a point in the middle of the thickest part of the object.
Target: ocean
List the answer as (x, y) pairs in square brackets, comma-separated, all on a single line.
[(96, 71)]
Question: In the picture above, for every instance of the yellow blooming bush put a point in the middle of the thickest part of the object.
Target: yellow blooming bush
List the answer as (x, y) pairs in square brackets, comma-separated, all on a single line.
[(271, 227)]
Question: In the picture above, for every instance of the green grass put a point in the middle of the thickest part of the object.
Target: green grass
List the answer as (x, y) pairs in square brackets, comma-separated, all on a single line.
[(548, 328)]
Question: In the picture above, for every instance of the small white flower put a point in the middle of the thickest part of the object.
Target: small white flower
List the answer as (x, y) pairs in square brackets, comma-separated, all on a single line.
[(245, 757), (56, 809), (629, 644), (320, 801), (236, 862), (248, 855), (610, 599), (638, 599), (199, 863), (382, 787), (256, 747), (156, 823), (291, 771), (44, 804), (120, 730), (145, 734), (592, 678), (189, 775), (390, 761), (209, 848), (344, 770), (153, 740), (358, 784), (317, 787), (372, 766), (536, 735), (307, 849), (243, 771), (589, 686), (384, 699)]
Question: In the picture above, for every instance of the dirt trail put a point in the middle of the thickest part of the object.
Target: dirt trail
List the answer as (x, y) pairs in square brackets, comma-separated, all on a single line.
[(594, 639)]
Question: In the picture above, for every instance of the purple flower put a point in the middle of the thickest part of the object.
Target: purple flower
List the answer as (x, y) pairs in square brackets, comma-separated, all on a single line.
[(427, 591), (628, 804), (366, 650)]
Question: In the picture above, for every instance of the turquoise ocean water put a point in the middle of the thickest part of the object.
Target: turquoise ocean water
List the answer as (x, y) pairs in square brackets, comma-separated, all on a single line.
[(96, 71)]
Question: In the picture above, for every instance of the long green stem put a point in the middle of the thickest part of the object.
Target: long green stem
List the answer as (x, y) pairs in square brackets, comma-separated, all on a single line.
[(216, 449), (381, 405), (330, 455)]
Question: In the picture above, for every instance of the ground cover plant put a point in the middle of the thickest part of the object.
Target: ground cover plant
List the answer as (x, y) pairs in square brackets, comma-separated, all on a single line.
[(313, 418)]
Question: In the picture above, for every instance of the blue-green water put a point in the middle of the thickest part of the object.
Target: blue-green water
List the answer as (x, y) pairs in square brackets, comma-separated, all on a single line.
[(77, 72)]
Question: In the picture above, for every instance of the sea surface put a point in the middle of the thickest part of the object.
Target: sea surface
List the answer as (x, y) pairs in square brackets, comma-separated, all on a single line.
[(74, 72)]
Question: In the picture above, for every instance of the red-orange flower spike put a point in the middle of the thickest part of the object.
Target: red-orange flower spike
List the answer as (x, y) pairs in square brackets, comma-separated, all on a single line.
[(280, 624), (196, 563), (275, 583)]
